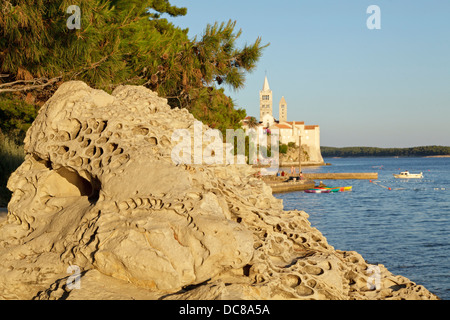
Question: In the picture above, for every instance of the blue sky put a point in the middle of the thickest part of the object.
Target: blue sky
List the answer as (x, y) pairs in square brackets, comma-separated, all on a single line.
[(384, 88)]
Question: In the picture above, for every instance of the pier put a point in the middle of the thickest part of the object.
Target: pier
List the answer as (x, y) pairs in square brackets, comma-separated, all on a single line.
[(287, 184), (342, 176)]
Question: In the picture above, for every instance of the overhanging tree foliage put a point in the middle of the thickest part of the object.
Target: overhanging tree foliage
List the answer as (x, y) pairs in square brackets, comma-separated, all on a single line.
[(123, 42), (16, 117)]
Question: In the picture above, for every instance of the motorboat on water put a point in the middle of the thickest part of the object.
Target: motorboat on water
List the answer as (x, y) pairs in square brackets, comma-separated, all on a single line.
[(407, 175)]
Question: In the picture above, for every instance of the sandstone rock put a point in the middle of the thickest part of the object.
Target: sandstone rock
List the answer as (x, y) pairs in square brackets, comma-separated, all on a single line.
[(99, 190)]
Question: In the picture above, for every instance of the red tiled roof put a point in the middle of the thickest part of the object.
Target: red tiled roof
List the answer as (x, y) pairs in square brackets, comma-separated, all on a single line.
[(283, 126), (296, 122)]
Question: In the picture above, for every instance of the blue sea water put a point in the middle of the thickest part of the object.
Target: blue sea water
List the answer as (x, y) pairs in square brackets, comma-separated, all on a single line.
[(406, 228)]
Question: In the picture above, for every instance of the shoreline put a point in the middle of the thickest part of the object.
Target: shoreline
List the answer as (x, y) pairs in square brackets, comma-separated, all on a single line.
[(295, 164)]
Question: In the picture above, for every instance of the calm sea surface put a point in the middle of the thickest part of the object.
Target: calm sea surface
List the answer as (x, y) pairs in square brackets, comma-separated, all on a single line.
[(406, 228)]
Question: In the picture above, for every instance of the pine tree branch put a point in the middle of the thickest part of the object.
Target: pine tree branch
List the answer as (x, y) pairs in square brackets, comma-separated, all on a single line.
[(9, 84), (93, 65), (15, 87), (132, 80), (25, 85)]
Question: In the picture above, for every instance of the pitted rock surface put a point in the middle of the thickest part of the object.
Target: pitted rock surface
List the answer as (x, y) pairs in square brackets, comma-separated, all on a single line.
[(99, 190)]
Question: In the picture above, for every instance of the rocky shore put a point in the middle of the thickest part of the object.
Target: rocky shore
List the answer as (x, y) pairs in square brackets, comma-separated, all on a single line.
[(100, 210)]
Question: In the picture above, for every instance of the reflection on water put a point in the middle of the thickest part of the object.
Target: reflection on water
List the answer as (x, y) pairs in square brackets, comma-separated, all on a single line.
[(405, 228)]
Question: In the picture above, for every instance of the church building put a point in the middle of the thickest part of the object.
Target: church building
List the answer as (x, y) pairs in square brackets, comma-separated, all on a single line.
[(290, 131)]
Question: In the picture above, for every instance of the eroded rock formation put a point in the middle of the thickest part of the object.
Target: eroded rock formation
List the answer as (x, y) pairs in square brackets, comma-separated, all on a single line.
[(99, 190)]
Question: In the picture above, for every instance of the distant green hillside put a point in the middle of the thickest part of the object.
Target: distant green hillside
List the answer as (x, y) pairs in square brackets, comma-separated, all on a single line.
[(384, 152)]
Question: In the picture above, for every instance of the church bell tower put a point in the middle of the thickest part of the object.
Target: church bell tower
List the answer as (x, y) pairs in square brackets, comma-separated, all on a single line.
[(265, 100), (283, 110)]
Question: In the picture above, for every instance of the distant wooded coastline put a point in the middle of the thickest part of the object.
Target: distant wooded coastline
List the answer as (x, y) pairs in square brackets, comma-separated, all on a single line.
[(385, 152)]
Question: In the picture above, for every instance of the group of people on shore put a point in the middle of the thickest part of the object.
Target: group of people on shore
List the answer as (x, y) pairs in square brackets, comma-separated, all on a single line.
[(294, 172)]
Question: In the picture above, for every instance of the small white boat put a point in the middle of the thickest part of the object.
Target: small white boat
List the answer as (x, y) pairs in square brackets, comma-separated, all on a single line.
[(407, 175)]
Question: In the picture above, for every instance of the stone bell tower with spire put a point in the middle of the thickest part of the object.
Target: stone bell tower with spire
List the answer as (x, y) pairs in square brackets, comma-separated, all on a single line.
[(283, 110), (265, 101)]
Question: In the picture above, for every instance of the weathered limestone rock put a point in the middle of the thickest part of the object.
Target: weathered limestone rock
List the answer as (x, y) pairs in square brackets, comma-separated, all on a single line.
[(99, 190)]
